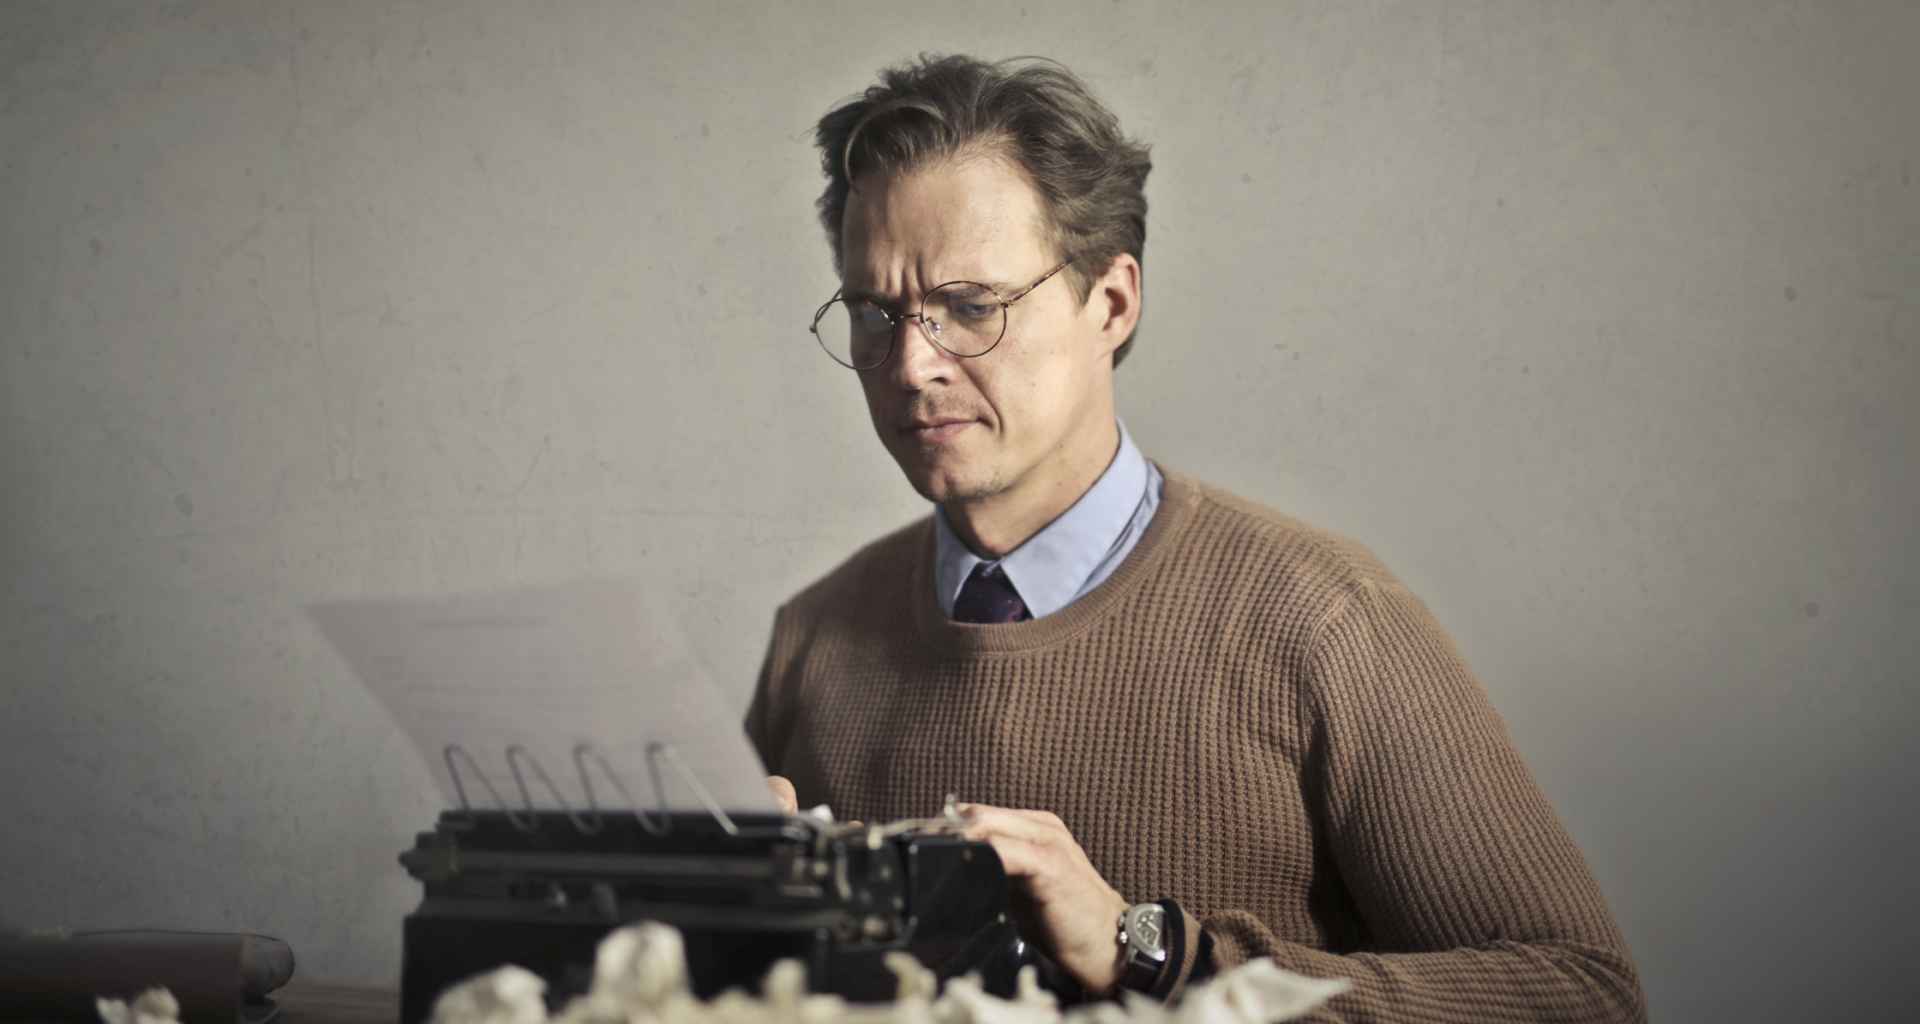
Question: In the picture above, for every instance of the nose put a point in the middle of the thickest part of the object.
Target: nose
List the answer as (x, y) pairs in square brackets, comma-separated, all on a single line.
[(917, 361)]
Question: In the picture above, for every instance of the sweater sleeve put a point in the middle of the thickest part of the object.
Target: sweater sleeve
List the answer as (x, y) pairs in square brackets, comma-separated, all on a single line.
[(1476, 904), (767, 741)]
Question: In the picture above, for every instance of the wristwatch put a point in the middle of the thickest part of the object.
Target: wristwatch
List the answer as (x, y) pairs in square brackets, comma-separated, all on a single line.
[(1143, 934)]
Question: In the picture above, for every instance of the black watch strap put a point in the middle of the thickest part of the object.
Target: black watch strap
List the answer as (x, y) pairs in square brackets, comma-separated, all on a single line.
[(1144, 946)]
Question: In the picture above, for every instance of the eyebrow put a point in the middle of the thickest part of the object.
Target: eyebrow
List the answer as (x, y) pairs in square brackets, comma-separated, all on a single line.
[(999, 288)]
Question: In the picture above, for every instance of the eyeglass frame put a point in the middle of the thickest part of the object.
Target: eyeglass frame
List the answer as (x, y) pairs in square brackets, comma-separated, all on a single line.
[(894, 322)]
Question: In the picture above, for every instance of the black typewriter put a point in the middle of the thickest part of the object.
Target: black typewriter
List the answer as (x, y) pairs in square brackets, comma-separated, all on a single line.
[(540, 889)]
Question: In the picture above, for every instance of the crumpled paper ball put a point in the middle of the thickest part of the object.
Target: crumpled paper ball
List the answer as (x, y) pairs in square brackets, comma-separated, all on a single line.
[(640, 977), (154, 1006), (505, 995)]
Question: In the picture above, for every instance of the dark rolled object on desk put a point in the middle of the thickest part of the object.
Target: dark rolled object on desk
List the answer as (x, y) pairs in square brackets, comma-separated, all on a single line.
[(217, 978)]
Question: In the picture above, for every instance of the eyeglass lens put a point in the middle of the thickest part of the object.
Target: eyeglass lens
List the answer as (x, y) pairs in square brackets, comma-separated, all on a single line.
[(964, 318)]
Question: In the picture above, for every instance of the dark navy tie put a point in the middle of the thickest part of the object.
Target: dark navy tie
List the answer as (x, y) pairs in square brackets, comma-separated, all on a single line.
[(988, 597)]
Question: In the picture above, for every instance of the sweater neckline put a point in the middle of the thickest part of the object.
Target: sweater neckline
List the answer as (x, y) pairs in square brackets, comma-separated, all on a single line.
[(1177, 504)]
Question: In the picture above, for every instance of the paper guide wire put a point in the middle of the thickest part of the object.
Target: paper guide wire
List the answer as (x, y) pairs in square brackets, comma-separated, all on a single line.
[(582, 754)]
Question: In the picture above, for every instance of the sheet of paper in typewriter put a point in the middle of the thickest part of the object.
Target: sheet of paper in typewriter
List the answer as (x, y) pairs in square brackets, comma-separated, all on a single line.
[(577, 687)]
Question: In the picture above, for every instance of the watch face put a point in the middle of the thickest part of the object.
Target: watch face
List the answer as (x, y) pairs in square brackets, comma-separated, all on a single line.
[(1145, 924)]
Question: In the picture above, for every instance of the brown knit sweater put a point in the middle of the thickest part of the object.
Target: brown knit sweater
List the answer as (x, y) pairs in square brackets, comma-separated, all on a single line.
[(1253, 717)]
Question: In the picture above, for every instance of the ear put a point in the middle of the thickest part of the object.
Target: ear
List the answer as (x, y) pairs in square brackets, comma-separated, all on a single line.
[(1115, 300)]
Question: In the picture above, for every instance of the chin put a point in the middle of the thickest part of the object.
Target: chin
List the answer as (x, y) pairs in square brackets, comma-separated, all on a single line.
[(943, 485)]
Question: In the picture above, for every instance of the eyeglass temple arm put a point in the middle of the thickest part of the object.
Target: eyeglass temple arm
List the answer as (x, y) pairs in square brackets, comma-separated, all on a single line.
[(1036, 284)]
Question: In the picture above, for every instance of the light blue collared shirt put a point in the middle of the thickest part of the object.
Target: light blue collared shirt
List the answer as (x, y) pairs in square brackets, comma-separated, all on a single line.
[(1073, 554)]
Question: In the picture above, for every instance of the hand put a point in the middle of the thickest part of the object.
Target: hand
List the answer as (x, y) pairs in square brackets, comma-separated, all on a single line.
[(1061, 903), (783, 792)]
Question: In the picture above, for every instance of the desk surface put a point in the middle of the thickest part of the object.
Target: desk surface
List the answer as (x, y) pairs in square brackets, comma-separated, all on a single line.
[(335, 1004)]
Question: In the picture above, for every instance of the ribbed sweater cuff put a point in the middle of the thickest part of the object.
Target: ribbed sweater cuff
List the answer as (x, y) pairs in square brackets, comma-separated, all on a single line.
[(1184, 941)]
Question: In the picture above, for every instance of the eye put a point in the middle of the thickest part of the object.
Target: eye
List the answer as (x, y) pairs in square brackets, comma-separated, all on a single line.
[(967, 303), (868, 317)]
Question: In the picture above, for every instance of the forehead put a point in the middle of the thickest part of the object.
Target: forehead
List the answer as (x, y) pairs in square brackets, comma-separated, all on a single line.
[(979, 218)]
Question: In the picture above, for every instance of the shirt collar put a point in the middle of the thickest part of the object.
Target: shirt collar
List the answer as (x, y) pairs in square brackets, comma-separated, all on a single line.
[(1050, 569)]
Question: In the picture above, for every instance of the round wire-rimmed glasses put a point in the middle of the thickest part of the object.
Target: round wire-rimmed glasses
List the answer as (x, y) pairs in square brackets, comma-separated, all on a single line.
[(966, 318)]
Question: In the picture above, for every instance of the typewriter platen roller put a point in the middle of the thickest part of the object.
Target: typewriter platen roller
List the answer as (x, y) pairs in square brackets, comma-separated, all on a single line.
[(538, 890)]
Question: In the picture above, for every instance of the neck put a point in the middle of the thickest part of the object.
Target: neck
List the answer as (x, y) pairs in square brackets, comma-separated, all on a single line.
[(994, 525)]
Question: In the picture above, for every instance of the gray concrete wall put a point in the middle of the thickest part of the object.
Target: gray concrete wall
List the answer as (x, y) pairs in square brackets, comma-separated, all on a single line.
[(1598, 321)]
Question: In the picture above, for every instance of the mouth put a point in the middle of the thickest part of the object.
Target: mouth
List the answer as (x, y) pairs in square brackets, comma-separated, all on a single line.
[(936, 430)]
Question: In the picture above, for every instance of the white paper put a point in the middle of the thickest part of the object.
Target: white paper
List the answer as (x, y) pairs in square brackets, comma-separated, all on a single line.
[(557, 674)]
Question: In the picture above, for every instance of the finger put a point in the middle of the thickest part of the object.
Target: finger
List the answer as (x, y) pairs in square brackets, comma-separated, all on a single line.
[(783, 791), (1007, 819), (1045, 819), (1019, 858), (1039, 831), (984, 824), (1048, 856), (1042, 818)]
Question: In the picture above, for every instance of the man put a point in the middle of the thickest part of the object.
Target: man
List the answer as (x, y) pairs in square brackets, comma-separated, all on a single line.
[(1195, 730)]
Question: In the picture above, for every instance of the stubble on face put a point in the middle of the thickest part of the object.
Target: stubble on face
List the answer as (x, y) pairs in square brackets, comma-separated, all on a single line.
[(932, 483), (962, 493)]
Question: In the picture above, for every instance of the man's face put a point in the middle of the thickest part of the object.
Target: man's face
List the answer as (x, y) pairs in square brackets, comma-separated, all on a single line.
[(970, 429)]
